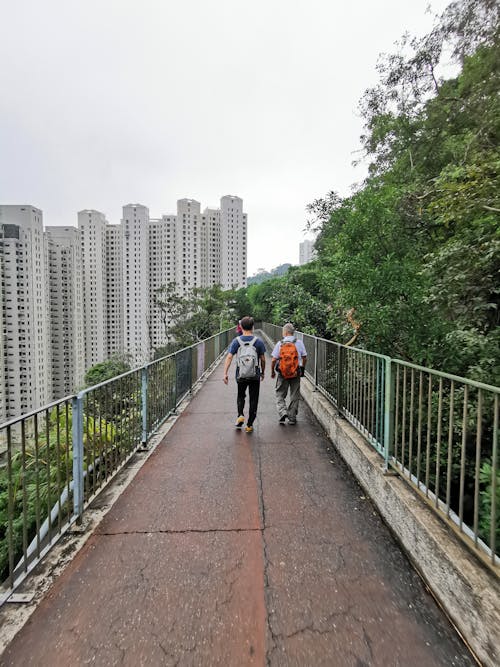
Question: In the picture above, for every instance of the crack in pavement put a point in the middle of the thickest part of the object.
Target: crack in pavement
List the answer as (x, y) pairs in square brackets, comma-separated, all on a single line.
[(173, 657), (181, 532), (368, 643), (231, 581), (266, 558), (312, 627), (308, 628)]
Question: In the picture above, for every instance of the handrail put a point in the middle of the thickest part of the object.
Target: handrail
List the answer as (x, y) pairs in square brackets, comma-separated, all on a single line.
[(438, 431), (32, 413), (64, 453), (448, 376)]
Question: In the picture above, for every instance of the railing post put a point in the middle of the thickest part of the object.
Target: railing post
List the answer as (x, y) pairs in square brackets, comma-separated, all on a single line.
[(340, 378), (193, 368), (176, 381), (316, 346), (388, 412), (77, 429), (144, 405)]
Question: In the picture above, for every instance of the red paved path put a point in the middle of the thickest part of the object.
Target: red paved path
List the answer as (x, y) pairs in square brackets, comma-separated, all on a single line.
[(236, 549)]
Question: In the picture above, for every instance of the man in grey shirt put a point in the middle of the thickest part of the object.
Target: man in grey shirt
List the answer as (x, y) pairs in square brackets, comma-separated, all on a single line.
[(296, 364)]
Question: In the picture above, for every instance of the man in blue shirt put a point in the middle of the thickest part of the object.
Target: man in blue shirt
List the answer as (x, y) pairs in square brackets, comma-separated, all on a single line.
[(292, 384), (253, 384)]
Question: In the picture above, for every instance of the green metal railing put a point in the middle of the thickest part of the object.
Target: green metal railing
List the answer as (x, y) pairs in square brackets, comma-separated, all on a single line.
[(36, 485), (53, 461), (438, 431), (445, 443)]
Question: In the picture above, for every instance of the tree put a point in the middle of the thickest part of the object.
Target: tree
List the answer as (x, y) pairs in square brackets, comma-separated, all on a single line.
[(263, 275), (197, 314), (174, 308), (416, 248), (105, 370), (409, 79)]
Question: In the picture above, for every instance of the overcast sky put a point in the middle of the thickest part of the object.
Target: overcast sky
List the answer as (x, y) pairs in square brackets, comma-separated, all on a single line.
[(106, 102)]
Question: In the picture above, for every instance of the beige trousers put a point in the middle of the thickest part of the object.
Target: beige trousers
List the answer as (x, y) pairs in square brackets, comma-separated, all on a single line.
[(282, 388)]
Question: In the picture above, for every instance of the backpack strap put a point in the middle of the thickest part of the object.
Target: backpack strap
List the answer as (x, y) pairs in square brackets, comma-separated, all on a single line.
[(247, 342)]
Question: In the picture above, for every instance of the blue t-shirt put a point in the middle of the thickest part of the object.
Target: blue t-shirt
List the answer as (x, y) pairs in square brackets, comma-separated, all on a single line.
[(259, 346)]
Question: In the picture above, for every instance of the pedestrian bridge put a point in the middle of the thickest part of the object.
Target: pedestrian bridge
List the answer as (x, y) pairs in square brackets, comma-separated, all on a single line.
[(226, 548)]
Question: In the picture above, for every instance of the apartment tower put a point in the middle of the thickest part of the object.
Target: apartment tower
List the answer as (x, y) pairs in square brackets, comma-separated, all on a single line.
[(66, 309), (233, 237), (306, 251), (162, 234), (92, 226), (115, 343), (25, 372), (135, 282), (72, 298)]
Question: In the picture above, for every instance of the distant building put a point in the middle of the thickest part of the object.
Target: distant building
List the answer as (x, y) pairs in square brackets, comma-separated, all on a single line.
[(72, 297), (196, 249), (233, 237), (92, 226), (125, 265), (114, 308), (25, 371), (190, 243), (162, 270), (66, 309), (306, 252), (212, 217), (135, 283)]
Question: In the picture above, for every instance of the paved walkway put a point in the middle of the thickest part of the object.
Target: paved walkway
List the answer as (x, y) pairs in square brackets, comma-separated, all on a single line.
[(239, 549)]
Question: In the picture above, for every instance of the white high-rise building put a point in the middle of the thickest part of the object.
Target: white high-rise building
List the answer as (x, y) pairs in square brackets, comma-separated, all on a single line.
[(188, 244), (92, 225), (85, 294), (211, 218), (66, 309), (306, 252), (162, 235), (26, 355), (3, 411), (233, 237), (135, 283), (115, 343)]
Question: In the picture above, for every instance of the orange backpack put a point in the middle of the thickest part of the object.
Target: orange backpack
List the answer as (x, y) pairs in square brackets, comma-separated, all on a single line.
[(288, 360)]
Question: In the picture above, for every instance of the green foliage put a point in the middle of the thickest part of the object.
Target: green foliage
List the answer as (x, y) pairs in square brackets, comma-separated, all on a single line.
[(115, 365), (39, 476), (487, 500), (242, 304), (196, 314), (263, 275), (293, 297), (415, 250)]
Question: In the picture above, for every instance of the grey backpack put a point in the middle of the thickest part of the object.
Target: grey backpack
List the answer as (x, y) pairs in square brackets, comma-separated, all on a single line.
[(247, 359)]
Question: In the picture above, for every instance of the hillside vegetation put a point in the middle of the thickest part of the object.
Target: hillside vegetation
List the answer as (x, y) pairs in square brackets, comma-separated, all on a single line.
[(416, 248), (263, 275)]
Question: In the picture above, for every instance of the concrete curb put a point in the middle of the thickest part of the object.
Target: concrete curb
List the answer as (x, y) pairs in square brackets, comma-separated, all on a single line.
[(465, 587)]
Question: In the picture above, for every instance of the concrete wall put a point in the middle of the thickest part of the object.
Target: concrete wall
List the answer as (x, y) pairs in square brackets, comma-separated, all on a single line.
[(466, 588)]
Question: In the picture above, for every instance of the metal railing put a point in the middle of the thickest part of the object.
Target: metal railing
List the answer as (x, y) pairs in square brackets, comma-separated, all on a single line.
[(53, 461), (438, 431), (36, 487)]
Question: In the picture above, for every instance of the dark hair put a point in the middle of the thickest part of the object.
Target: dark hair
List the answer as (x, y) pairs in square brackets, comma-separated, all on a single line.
[(247, 323)]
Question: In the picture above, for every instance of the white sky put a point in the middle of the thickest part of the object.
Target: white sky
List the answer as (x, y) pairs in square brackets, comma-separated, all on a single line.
[(106, 102)]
